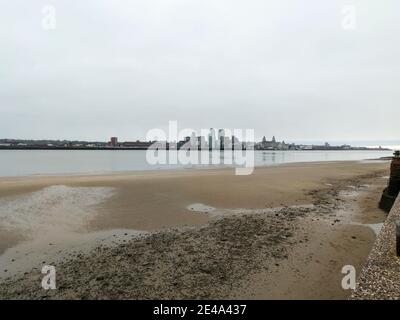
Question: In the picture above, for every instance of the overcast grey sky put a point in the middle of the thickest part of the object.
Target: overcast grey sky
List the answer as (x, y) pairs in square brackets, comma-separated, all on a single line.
[(283, 67)]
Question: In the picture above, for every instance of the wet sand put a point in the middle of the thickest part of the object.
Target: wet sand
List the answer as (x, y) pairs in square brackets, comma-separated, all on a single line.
[(283, 232)]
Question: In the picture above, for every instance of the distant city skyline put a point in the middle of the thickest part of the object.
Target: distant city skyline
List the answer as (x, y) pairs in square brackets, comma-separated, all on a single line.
[(113, 141), (281, 67)]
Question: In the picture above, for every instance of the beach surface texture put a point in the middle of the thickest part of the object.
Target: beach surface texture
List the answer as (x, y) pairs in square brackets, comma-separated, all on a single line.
[(284, 232)]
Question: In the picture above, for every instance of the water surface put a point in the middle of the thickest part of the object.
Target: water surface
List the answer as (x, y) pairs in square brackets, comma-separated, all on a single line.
[(53, 162)]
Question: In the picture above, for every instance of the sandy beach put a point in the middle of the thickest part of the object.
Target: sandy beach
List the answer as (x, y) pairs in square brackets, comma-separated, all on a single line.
[(283, 232)]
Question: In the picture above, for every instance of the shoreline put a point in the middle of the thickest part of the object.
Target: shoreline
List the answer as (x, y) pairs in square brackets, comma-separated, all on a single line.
[(293, 207), (206, 150), (183, 169)]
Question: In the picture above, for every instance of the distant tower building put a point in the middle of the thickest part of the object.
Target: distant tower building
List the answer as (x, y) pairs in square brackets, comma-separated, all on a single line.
[(193, 141), (227, 143), (201, 143), (221, 138), (211, 139), (235, 143), (264, 143), (275, 145), (113, 141)]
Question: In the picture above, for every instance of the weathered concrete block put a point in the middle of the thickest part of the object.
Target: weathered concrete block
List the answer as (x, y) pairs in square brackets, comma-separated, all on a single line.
[(390, 193)]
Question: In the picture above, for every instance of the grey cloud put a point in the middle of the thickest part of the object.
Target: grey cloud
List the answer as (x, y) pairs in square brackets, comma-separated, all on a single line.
[(284, 68)]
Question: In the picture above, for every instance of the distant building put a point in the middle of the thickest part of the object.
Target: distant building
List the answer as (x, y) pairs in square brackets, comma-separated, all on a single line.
[(114, 141), (221, 138), (185, 143), (193, 142), (227, 143), (211, 139), (236, 144), (201, 143), (137, 144), (272, 144)]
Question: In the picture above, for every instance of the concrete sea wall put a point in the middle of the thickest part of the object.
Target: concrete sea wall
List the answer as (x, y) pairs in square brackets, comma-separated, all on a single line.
[(380, 277)]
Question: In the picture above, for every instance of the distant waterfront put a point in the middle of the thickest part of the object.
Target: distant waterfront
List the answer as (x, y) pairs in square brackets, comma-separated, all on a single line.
[(195, 142), (58, 162)]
